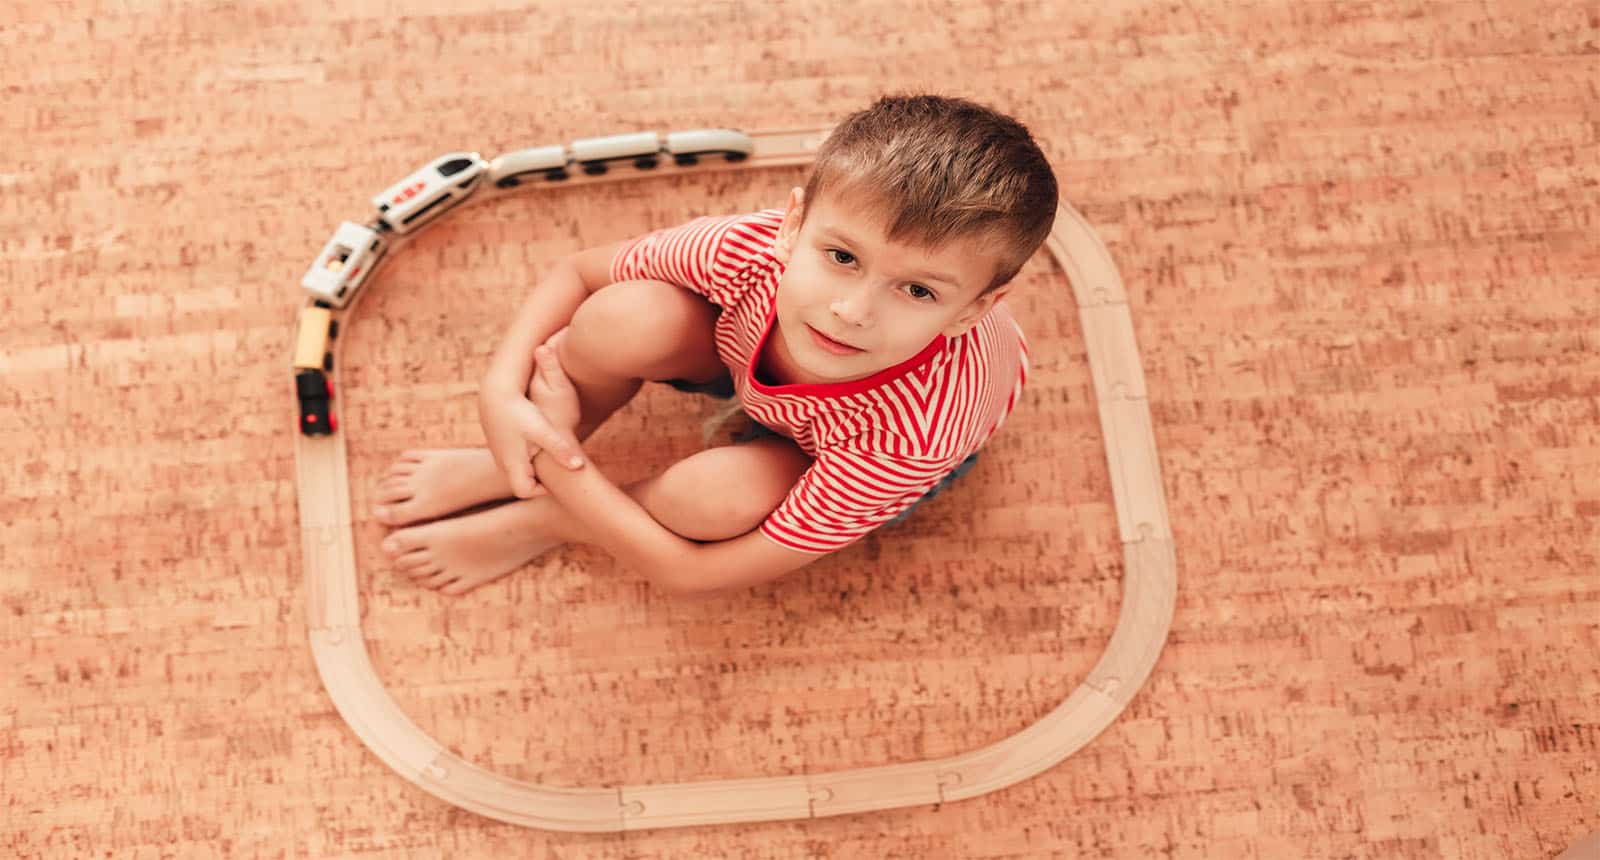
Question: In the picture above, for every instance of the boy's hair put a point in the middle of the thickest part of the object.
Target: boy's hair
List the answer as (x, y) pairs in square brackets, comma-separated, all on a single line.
[(936, 168)]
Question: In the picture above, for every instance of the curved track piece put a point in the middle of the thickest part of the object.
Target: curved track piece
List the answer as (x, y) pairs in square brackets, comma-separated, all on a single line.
[(1150, 582)]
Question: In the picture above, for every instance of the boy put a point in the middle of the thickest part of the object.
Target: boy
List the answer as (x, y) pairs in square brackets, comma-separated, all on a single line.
[(859, 327)]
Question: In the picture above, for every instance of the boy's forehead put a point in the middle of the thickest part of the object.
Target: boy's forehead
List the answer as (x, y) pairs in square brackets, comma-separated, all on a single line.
[(861, 225), (851, 219)]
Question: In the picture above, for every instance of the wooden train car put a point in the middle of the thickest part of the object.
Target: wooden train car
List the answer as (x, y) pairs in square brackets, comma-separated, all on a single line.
[(312, 361)]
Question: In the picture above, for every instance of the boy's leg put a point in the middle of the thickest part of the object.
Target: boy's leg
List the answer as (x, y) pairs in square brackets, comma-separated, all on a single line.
[(621, 335), (717, 494), (632, 331)]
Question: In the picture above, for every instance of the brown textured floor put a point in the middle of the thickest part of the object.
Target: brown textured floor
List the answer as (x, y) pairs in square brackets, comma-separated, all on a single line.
[(1359, 242)]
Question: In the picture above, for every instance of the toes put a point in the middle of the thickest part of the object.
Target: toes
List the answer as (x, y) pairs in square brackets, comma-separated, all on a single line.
[(391, 490), (415, 562), (426, 572), (394, 514), (399, 477), (407, 462), (444, 577), (402, 542)]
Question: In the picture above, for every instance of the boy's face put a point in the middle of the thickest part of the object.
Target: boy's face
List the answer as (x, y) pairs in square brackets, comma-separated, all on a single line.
[(844, 279)]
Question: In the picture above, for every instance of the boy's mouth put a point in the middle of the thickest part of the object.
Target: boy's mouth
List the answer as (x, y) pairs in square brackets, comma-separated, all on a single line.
[(831, 345)]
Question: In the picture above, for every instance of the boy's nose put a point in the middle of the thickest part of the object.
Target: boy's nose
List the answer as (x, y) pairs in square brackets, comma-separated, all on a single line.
[(853, 308)]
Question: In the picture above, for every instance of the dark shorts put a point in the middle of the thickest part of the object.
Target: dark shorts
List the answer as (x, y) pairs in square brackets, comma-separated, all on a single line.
[(722, 389)]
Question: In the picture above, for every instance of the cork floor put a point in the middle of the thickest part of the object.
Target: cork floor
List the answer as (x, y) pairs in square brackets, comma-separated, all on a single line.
[(1359, 244)]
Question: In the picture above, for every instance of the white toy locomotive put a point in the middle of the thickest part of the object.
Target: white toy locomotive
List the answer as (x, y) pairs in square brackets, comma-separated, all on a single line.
[(429, 192)]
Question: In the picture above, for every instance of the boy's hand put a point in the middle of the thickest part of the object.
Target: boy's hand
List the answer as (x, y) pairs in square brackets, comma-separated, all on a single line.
[(517, 431), (551, 389)]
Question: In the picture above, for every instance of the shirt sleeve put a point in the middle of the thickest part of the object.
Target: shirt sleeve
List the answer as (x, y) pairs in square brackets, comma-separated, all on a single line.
[(706, 255), (847, 492)]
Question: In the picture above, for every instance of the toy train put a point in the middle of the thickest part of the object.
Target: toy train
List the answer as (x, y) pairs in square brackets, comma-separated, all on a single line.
[(346, 263), (312, 361), (596, 155), (348, 259)]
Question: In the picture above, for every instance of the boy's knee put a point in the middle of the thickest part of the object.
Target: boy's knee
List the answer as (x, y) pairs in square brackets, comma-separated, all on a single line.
[(629, 327), (594, 323), (722, 493), (757, 477)]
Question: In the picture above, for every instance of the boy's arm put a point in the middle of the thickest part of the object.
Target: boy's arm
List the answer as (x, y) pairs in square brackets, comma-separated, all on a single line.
[(634, 538), (512, 427), (749, 559), (551, 304)]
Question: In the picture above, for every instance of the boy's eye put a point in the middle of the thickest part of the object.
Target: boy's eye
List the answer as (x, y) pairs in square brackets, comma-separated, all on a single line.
[(845, 258)]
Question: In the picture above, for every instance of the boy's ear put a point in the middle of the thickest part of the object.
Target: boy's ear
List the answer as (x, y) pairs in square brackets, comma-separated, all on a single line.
[(974, 311), (790, 228)]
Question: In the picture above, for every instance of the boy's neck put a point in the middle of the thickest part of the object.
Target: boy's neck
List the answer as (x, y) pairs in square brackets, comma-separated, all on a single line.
[(766, 366)]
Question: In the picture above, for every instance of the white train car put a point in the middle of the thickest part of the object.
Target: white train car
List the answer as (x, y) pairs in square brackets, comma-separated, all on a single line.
[(596, 154), (509, 170), (429, 192), (346, 263), (687, 147)]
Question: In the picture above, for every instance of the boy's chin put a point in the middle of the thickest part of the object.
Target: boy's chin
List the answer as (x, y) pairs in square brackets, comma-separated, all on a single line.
[(820, 367)]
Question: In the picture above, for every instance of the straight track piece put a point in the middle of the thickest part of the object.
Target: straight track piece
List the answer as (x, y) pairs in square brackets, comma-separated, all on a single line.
[(1135, 474), (1108, 332), (722, 801), (331, 601), (868, 789)]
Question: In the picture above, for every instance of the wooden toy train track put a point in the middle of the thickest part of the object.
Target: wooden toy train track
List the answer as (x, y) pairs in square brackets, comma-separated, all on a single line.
[(347, 264)]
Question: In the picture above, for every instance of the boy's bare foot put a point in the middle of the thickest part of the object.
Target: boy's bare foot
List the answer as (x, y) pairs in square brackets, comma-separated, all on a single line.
[(429, 483), (458, 554)]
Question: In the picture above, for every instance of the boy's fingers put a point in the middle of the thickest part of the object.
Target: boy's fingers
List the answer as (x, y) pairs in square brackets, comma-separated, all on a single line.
[(520, 475), (564, 448), (573, 453), (550, 363)]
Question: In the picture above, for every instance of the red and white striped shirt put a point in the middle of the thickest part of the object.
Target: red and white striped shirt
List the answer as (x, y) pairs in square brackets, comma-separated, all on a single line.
[(878, 443)]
